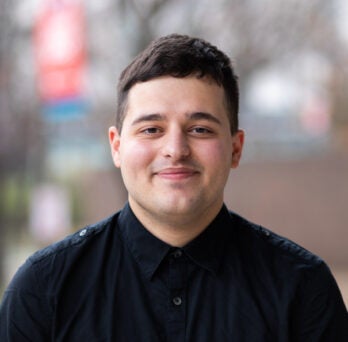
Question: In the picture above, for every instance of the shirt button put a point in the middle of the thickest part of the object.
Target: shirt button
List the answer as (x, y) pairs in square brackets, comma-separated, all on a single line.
[(177, 301), (177, 253), (83, 232)]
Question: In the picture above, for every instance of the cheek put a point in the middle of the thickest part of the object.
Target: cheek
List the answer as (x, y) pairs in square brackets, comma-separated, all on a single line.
[(134, 156), (216, 155)]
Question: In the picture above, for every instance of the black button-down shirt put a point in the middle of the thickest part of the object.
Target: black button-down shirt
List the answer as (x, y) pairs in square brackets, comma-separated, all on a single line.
[(114, 281)]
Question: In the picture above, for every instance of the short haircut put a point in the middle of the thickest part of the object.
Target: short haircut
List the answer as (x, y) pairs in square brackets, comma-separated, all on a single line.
[(180, 56)]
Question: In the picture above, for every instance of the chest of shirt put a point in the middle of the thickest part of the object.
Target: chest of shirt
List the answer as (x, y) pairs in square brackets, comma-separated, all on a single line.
[(180, 302)]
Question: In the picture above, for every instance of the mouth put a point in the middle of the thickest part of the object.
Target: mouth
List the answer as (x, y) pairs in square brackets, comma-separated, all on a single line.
[(180, 173)]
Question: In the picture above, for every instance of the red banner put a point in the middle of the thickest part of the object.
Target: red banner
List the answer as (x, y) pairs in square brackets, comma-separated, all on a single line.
[(59, 38)]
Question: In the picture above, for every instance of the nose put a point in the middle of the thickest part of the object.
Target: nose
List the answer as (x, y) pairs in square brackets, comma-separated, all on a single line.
[(175, 145)]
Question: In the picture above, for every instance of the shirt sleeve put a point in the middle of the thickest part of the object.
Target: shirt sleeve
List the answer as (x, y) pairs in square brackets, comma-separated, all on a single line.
[(320, 313), (24, 311)]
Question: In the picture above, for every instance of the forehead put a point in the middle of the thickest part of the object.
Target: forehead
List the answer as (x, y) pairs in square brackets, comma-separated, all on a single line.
[(168, 95)]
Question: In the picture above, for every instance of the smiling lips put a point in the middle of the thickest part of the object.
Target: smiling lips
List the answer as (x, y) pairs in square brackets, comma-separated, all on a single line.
[(180, 173)]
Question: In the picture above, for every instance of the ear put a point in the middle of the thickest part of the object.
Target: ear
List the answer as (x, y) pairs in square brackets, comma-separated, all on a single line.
[(115, 142), (237, 147)]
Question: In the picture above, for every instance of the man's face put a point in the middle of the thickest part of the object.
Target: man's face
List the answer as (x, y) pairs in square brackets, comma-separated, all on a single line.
[(175, 150)]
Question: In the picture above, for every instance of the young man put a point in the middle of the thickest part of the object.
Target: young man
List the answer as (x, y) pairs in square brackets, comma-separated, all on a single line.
[(175, 264)]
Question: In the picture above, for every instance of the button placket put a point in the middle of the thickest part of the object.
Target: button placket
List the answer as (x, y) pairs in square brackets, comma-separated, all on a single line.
[(177, 291)]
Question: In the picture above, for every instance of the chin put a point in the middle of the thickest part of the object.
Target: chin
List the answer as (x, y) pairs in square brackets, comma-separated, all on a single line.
[(179, 207)]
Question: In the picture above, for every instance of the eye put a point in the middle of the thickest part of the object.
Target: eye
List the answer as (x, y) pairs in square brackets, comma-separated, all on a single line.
[(199, 130), (151, 130)]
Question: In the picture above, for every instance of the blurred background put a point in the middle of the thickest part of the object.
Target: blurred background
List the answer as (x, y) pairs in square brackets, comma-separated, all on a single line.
[(59, 65)]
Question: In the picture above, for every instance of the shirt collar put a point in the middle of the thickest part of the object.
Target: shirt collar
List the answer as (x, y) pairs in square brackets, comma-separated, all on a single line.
[(206, 250), (147, 250)]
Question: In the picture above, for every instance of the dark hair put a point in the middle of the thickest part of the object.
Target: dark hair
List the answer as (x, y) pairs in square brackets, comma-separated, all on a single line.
[(180, 56)]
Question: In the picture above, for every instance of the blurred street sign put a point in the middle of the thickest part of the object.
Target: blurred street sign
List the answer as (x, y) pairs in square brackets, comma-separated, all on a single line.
[(64, 109), (59, 44)]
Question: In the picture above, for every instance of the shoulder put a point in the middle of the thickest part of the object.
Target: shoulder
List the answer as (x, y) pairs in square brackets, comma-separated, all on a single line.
[(281, 266), (93, 233), (49, 265), (263, 244)]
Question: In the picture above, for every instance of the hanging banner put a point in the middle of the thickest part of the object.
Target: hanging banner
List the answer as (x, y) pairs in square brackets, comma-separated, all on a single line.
[(59, 44)]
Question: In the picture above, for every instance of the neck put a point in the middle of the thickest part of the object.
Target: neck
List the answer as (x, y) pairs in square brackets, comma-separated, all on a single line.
[(176, 230)]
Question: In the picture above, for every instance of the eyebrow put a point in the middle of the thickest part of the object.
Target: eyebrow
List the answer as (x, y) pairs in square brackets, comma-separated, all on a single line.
[(148, 117), (191, 116), (204, 116)]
